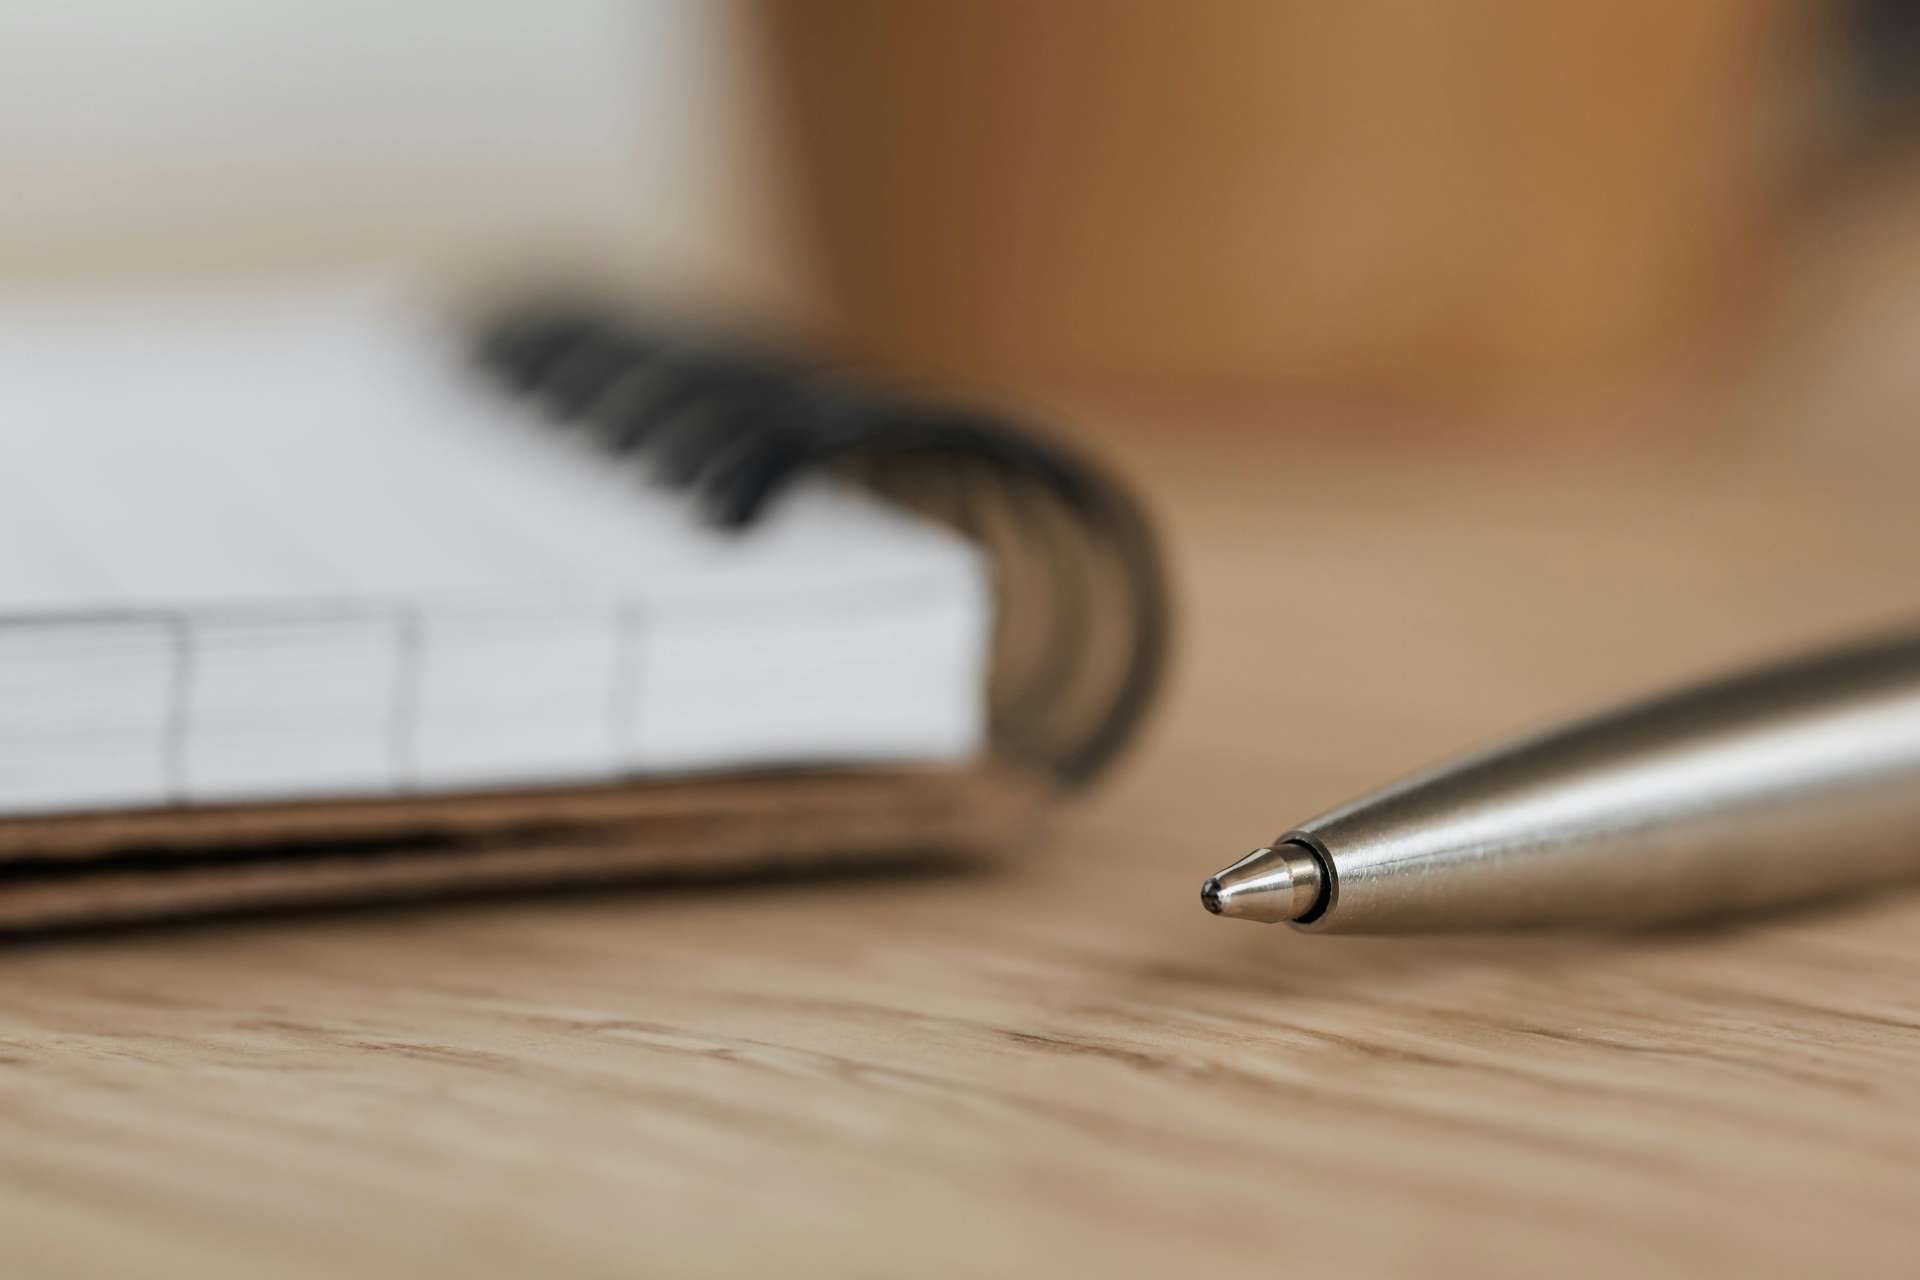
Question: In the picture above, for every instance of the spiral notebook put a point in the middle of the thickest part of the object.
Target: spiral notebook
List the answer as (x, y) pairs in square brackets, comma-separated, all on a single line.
[(284, 578)]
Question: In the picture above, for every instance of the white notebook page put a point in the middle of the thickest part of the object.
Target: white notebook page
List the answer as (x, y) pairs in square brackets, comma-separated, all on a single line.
[(286, 544)]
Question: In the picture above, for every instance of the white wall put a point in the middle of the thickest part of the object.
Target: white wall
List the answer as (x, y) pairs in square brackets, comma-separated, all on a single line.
[(192, 135)]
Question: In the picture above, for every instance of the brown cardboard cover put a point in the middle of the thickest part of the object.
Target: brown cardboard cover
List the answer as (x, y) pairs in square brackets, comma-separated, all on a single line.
[(96, 868)]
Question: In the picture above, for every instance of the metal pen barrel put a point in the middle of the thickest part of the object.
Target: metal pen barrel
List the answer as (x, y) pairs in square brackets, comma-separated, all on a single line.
[(1790, 782)]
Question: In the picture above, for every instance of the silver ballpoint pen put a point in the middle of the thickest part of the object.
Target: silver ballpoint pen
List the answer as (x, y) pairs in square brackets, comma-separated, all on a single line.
[(1789, 782)]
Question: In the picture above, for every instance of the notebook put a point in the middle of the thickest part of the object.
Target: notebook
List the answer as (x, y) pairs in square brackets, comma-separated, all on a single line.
[(286, 577)]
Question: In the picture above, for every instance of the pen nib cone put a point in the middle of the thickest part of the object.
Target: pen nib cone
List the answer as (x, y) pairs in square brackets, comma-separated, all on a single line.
[(1268, 885)]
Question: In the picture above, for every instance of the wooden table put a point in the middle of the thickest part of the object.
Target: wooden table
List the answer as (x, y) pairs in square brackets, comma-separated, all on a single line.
[(1066, 1067)]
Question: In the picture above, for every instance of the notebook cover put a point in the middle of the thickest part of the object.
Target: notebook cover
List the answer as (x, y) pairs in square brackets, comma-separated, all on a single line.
[(100, 868)]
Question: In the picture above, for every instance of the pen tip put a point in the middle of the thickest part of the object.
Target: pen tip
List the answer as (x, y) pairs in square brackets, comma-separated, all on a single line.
[(1271, 885), (1210, 894)]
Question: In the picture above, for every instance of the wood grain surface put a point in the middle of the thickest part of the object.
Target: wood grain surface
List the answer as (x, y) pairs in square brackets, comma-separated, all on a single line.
[(1066, 1067)]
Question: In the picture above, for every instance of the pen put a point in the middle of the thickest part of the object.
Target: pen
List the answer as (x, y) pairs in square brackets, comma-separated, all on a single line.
[(1784, 783)]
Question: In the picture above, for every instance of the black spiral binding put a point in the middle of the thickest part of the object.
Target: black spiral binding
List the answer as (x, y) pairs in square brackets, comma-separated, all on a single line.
[(1082, 617)]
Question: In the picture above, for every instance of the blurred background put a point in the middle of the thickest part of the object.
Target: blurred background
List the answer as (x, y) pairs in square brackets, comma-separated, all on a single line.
[(1364, 206)]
